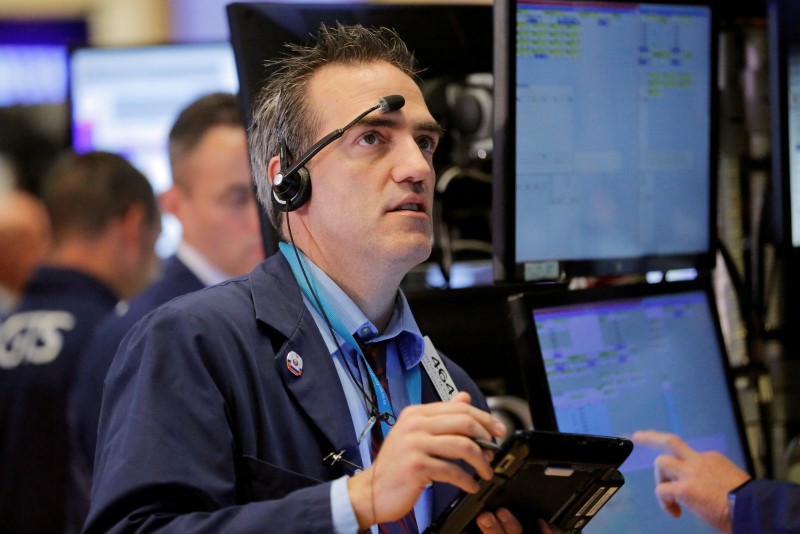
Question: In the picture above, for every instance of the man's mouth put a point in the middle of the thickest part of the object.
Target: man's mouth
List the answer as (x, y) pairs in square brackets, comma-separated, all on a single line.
[(409, 207)]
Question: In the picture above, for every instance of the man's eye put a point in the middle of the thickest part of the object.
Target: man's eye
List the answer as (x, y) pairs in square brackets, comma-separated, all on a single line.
[(237, 198), (426, 143), (369, 138)]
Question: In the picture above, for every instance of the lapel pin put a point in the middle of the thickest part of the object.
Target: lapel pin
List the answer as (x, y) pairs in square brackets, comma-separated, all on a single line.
[(294, 363)]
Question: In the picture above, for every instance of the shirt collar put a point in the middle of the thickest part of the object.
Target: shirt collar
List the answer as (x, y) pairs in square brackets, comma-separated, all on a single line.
[(199, 265), (401, 327)]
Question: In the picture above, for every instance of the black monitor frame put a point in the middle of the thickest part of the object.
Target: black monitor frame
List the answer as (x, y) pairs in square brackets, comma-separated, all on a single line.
[(448, 40), (784, 16), (506, 268), (528, 349)]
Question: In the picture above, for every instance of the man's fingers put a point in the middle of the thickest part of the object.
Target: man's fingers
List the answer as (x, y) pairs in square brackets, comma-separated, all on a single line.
[(436, 469), (668, 468), (462, 396), (457, 410), (500, 522), (667, 498), (461, 448), (663, 441)]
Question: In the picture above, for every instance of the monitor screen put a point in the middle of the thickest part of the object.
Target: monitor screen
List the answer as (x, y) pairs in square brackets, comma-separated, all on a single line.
[(33, 60), (614, 360), (33, 74), (606, 121), (125, 100)]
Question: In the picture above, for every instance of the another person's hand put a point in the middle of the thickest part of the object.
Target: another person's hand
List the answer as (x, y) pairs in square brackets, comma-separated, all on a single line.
[(699, 481), (419, 450)]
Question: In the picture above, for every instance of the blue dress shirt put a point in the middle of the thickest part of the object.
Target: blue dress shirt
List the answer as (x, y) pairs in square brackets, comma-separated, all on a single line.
[(403, 353)]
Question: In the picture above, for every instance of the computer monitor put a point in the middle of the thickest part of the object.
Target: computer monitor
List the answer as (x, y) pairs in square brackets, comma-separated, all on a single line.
[(784, 72), (33, 60), (605, 150), (32, 74), (125, 100), (617, 359)]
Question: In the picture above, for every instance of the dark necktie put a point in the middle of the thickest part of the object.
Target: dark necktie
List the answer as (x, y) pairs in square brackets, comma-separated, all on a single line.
[(375, 354)]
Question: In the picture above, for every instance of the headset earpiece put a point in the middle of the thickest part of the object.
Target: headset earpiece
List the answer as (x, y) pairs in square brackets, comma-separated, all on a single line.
[(290, 192)]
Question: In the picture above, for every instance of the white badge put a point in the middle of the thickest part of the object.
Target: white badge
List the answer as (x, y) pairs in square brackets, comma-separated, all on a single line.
[(434, 366), (294, 363)]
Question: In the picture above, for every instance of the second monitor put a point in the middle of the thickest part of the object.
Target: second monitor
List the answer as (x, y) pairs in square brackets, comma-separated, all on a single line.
[(618, 359)]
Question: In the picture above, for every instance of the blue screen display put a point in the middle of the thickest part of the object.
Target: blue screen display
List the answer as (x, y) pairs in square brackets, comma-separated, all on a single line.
[(614, 367), (613, 122)]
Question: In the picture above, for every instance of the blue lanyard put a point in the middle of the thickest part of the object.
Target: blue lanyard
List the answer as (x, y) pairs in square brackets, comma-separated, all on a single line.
[(412, 376)]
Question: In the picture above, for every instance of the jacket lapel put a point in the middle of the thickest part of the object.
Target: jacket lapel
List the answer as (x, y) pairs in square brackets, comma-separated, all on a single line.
[(316, 388)]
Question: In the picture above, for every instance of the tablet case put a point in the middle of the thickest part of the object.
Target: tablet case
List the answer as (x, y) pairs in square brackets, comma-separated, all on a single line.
[(562, 478)]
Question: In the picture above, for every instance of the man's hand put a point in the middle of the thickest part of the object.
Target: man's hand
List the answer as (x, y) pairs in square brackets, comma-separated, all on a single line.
[(504, 522), (417, 452), (699, 481)]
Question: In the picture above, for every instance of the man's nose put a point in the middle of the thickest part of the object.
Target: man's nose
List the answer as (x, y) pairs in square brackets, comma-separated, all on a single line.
[(411, 163)]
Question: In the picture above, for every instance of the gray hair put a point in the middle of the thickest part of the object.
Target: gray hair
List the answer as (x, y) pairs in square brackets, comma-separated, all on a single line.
[(281, 110)]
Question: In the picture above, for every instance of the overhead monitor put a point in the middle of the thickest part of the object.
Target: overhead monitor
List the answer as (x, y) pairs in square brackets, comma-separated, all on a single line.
[(605, 150), (32, 74), (33, 60), (125, 100), (617, 359)]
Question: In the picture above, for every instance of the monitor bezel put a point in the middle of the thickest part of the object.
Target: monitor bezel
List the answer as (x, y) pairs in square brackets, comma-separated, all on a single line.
[(529, 354), (506, 267), (780, 42)]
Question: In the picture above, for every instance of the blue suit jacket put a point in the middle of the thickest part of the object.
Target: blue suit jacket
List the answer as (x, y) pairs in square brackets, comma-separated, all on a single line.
[(765, 506), (204, 428), (84, 407)]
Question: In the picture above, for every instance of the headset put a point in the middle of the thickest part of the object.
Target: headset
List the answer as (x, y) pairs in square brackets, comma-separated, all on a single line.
[(291, 188), (290, 191)]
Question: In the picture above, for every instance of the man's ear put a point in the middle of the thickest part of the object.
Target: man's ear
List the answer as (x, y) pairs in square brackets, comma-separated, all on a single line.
[(169, 201), (273, 168), (132, 223)]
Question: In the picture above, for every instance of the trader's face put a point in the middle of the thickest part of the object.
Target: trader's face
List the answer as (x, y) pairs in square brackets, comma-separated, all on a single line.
[(372, 190)]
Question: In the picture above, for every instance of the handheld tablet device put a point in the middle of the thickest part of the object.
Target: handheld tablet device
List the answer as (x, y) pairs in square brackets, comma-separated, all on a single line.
[(559, 477)]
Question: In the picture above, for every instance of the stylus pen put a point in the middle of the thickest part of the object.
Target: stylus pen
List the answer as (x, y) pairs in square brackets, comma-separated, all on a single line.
[(487, 445)]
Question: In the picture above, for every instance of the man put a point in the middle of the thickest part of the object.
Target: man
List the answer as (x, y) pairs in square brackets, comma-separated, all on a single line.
[(212, 197), (105, 222), (716, 490), (237, 408), (24, 240)]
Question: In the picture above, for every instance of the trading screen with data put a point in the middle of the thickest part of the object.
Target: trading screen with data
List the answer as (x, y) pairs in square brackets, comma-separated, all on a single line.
[(625, 364), (603, 160)]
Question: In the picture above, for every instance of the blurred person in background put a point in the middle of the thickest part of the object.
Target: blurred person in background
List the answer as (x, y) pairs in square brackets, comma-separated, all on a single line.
[(214, 201), (24, 241), (105, 221)]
